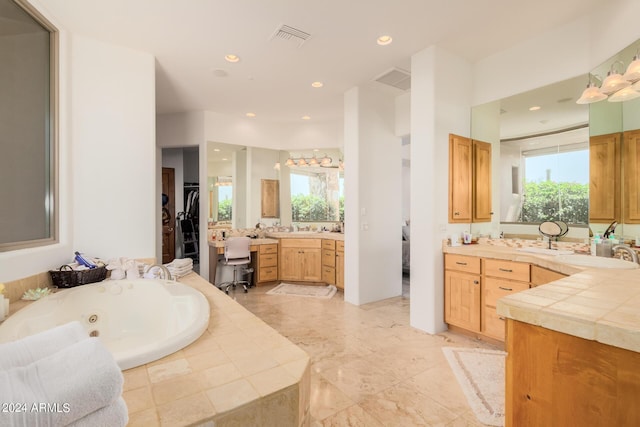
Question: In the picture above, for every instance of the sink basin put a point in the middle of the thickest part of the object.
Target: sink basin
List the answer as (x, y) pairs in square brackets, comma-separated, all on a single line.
[(595, 261)]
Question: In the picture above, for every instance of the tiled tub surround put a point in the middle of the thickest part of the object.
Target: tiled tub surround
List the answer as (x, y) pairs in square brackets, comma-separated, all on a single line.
[(601, 305), (239, 372)]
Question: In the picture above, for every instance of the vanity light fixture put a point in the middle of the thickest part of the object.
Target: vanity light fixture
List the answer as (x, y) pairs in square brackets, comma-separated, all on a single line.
[(232, 58), (616, 87), (384, 40), (325, 161)]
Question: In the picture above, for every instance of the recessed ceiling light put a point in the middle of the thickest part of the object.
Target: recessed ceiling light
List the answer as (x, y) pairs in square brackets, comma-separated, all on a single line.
[(224, 159), (317, 84), (534, 108), (306, 117), (216, 149), (316, 149), (232, 58), (384, 40), (250, 114)]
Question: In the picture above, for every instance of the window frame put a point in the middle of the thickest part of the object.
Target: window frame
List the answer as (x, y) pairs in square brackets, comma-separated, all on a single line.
[(51, 140)]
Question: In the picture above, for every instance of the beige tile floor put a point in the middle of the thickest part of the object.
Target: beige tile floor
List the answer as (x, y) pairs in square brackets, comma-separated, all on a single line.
[(369, 367)]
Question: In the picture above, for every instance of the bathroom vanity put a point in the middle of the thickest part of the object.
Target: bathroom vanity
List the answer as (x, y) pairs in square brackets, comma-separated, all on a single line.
[(573, 345)]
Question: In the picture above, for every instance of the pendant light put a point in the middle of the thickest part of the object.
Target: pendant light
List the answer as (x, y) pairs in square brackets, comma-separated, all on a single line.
[(591, 94), (624, 95), (633, 70), (614, 81)]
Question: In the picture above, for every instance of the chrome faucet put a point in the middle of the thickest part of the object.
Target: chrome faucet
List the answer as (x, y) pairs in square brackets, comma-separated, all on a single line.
[(628, 250), (165, 274)]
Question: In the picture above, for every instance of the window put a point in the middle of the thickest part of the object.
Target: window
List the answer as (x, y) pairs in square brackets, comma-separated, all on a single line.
[(555, 185), (220, 199), (317, 196), (225, 202), (27, 128)]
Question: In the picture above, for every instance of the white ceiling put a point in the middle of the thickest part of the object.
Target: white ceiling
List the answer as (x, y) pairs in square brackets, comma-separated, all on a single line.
[(273, 79)]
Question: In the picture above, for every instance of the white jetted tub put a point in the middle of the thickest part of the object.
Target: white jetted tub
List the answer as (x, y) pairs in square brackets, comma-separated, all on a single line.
[(139, 321)]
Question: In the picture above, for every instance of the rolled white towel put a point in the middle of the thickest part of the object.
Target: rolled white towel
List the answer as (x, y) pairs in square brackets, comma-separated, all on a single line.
[(63, 387), (29, 349), (114, 415)]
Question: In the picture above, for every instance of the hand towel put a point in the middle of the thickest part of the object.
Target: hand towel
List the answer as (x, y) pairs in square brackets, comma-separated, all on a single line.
[(29, 349), (113, 415), (71, 384)]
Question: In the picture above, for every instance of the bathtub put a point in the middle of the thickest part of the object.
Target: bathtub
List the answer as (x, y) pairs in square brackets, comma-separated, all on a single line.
[(139, 321)]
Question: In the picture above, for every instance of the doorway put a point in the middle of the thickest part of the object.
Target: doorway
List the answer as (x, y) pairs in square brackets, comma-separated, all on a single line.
[(168, 215)]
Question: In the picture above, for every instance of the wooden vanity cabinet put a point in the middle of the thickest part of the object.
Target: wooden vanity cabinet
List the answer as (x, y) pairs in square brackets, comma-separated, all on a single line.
[(267, 263), (469, 180), (631, 171), (501, 278), (462, 291), (301, 260), (542, 276), (329, 261), (340, 264), (604, 178), (270, 198)]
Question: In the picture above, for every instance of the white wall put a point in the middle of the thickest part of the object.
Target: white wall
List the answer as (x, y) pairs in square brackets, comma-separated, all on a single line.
[(440, 104), (373, 204)]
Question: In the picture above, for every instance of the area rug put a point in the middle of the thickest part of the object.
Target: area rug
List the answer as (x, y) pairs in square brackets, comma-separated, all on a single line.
[(324, 292), (480, 373)]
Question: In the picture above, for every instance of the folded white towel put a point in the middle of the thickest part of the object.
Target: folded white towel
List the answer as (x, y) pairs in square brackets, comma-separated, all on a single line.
[(114, 415), (181, 262), (63, 387), (34, 347)]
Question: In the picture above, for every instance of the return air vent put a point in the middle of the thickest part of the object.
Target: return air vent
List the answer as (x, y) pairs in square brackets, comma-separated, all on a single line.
[(396, 77), (295, 35)]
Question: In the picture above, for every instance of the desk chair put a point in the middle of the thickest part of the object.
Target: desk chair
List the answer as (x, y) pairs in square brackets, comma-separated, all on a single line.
[(237, 255)]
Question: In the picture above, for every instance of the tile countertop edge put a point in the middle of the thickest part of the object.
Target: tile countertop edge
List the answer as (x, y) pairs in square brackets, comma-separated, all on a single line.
[(528, 307)]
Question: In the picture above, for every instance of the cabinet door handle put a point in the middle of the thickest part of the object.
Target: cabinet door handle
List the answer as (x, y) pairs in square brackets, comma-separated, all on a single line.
[(456, 213), (461, 263), (506, 270), (501, 318), (475, 282), (505, 289)]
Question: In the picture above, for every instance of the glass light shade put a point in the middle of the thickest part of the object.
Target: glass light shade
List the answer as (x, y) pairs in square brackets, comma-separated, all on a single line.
[(325, 161), (302, 162), (277, 166), (314, 162), (290, 162), (633, 70), (613, 83), (624, 95), (590, 95)]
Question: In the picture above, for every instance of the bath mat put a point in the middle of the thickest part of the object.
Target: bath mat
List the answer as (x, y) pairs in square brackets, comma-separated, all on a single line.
[(325, 292), (480, 373)]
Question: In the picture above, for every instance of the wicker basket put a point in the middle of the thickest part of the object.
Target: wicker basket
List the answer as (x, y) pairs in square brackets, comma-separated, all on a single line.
[(66, 277)]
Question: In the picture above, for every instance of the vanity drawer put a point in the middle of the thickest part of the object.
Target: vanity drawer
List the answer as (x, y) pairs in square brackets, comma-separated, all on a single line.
[(268, 260), (269, 249), (493, 324), (340, 245), (497, 288), (329, 275), (467, 264), (507, 269), (329, 244), (301, 243), (267, 274), (328, 258)]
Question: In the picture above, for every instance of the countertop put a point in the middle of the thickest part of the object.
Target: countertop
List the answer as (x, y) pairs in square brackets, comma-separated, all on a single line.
[(254, 242), (307, 235), (602, 305)]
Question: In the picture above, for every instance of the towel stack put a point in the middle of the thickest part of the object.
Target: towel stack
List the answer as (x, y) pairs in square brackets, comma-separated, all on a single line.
[(60, 377), (180, 267)]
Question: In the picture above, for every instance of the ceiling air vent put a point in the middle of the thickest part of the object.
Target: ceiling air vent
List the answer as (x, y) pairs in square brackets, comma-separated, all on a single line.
[(396, 77), (295, 35)]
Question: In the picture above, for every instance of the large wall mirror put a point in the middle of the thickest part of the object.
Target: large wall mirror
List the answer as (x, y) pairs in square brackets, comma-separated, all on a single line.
[(310, 191), (27, 127), (543, 159)]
